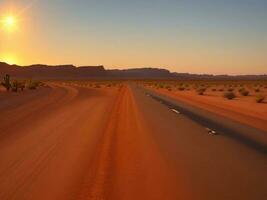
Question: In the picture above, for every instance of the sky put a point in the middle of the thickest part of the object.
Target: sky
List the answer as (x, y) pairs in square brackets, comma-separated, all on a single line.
[(195, 36)]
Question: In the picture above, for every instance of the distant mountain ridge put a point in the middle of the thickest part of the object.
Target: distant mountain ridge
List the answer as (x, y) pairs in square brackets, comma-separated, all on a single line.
[(68, 72)]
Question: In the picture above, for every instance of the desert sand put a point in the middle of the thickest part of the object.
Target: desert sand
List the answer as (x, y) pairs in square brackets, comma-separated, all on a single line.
[(70, 142), (241, 109)]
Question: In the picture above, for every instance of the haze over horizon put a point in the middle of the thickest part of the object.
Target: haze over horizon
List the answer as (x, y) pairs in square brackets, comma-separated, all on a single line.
[(209, 36)]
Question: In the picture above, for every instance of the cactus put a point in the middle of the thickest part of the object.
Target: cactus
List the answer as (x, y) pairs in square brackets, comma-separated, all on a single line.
[(6, 82)]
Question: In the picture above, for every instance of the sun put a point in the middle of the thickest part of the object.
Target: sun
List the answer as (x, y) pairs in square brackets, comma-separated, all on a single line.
[(9, 22)]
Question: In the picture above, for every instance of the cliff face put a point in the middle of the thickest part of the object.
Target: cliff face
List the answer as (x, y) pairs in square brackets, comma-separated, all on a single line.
[(140, 73), (52, 72), (99, 72), (83, 72)]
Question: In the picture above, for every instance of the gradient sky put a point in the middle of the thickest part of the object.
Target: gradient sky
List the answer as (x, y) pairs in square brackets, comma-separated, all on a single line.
[(196, 36)]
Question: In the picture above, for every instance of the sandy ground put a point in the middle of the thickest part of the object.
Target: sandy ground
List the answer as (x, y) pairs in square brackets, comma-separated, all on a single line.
[(69, 142), (241, 109)]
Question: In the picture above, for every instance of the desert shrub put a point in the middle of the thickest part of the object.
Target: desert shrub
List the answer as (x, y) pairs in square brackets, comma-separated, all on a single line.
[(161, 85), (214, 89), (243, 92), (181, 88), (41, 84), (97, 85), (201, 91), (14, 86), (229, 95), (257, 89), (21, 85), (32, 85), (167, 87), (230, 89), (260, 98)]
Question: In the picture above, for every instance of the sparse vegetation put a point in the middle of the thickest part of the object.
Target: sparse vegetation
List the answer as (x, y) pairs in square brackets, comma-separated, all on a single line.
[(243, 92), (227, 89), (257, 90), (32, 85), (14, 86), (21, 85), (97, 85), (229, 95), (6, 82), (201, 91), (260, 98), (181, 88)]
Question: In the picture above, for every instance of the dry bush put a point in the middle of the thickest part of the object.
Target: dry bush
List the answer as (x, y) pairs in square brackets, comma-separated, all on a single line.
[(32, 85), (161, 85), (181, 88), (229, 95), (168, 87), (97, 85), (260, 98), (21, 85), (201, 91), (14, 86), (243, 92), (257, 89)]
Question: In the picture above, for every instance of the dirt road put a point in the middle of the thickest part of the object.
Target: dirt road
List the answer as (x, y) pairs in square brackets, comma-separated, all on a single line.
[(67, 142)]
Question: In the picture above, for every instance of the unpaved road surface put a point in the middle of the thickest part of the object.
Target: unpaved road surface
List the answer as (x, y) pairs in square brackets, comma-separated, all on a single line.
[(68, 143)]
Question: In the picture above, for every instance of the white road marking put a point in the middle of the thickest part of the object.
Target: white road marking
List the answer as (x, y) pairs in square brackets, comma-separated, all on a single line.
[(176, 111), (211, 132)]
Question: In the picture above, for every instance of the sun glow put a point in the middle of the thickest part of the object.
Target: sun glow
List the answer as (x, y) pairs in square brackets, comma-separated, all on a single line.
[(9, 22), (9, 59)]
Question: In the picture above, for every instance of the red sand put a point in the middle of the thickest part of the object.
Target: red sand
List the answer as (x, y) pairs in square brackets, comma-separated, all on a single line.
[(93, 141), (242, 109), (68, 142)]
